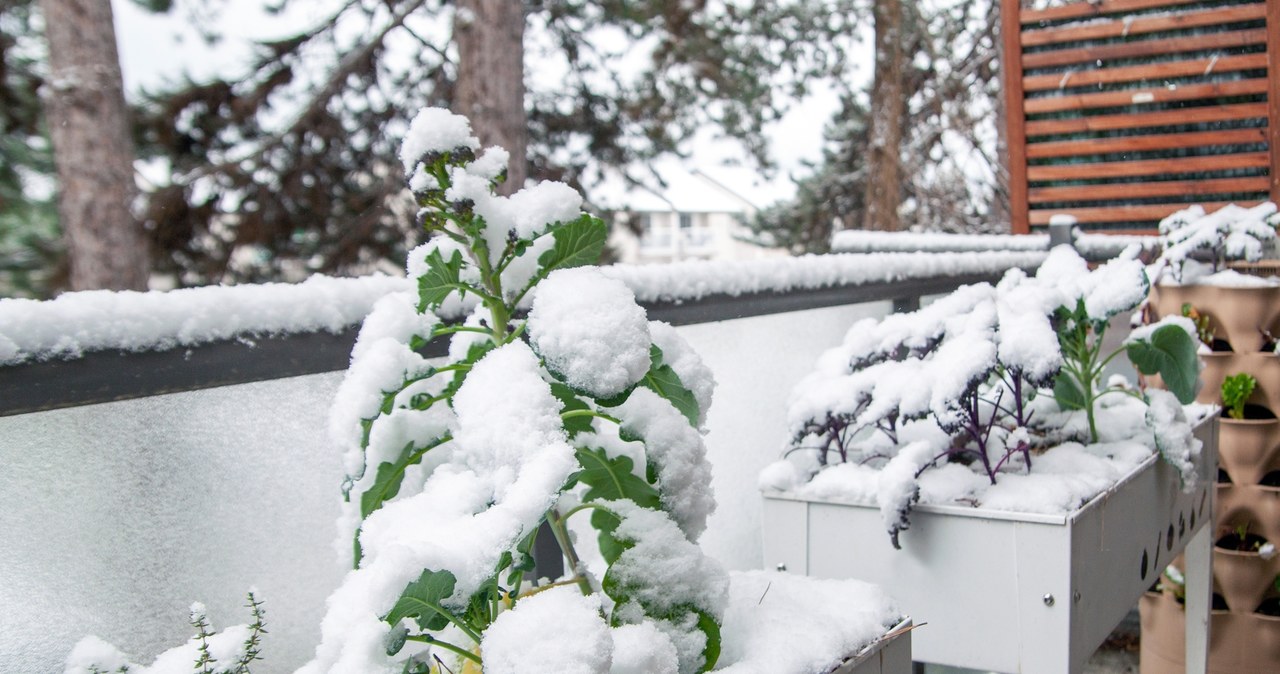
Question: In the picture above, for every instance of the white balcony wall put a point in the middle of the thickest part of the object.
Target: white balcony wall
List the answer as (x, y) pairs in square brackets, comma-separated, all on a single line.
[(116, 517)]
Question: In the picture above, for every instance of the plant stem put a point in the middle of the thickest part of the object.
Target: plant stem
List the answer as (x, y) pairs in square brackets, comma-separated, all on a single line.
[(428, 639), (561, 531), (572, 414)]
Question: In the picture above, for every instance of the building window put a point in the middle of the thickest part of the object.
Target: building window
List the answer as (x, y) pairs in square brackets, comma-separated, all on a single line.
[(686, 221)]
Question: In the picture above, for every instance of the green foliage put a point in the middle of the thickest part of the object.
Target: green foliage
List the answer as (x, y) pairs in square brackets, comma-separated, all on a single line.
[(423, 600), (440, 281), (31, 251), (1170, 353), (462, 265), (577, 243), (1236, 389), (664, 381), (1204, 327)]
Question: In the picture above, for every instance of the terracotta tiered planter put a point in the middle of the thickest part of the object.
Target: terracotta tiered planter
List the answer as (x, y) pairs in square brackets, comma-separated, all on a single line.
[(1242, 641)]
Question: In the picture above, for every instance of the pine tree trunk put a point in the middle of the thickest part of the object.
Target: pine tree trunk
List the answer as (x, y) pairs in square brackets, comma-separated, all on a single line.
[(888, 105), (93, 150), (490, 87)]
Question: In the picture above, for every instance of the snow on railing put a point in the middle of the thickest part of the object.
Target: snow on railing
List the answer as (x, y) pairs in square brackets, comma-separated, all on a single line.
[(1091, 246), (96, 320), (76, 323), (682, 281)]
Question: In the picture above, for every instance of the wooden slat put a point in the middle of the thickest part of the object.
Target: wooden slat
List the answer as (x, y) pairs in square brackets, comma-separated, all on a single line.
[(1150, 71), (1140, 25), (1085, 8), (1273, 96), (1149, 167), (1015, 118), (1173, 45), (1162, 141), (1208, 113), (1167, 188), (1115, 99), (1125, 213)]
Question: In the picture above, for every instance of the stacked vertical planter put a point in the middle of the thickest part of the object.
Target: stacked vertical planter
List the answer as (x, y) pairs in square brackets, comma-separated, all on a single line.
[(1244, 636)]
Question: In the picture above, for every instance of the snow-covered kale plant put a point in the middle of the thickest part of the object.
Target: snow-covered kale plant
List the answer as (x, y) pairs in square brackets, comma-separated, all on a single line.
[(970, 391), (582, 409), (1190, 239), (577, 407)]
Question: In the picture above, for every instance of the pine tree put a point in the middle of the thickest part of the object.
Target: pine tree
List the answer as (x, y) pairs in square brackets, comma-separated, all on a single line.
[(31, 260), (254, 199)]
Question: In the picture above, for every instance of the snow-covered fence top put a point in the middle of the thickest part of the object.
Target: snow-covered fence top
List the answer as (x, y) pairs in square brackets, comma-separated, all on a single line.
[(92, 347), (76, 323), (1090, 246)]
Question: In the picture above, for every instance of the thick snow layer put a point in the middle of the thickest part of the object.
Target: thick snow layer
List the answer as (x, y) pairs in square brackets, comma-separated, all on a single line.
[(80, 322), (510, 459), (778, 622), (557, 630), (643, 648), (94, 320), (1090, 245), (1229, 233), (677, 450), (589, 330), (696, 279), (435, 130), (1064, 478)]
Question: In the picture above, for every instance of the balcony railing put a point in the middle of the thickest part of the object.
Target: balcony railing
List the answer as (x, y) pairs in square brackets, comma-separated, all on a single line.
[(138, 481)]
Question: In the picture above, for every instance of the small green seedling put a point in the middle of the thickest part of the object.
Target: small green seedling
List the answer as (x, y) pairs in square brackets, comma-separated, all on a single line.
[(1236, 389), (1204, 330)]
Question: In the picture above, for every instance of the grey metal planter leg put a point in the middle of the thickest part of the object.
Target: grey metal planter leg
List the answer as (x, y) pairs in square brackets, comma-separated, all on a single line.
[(1199, 579)]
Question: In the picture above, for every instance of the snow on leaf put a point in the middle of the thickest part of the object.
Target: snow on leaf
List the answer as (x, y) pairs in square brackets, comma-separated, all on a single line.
[(390, 474)]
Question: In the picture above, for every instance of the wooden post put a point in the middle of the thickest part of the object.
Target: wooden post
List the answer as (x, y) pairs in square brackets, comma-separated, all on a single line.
[(1016, 136)]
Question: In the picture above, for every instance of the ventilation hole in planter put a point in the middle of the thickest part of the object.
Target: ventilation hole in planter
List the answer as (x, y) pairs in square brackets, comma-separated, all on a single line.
[(1249, 542), (1271, 479), (1219, 603), (1220, 345), (1223, 478), (1269, 606), (1144, 566), (1203, 496), (1182, 526), (1193, 519), (1168, 541)]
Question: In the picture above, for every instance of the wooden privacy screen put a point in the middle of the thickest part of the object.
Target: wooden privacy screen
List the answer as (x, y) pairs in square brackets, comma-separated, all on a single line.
[(1121, 112)]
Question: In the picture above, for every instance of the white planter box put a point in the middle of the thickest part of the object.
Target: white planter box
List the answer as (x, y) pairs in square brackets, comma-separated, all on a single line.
[(888, 655), (1015, 592)]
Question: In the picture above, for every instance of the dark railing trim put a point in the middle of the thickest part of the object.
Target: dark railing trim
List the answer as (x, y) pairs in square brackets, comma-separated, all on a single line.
[(106, 376)]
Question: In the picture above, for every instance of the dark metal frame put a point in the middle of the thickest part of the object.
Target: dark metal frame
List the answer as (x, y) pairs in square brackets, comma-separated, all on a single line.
[(105, 376)]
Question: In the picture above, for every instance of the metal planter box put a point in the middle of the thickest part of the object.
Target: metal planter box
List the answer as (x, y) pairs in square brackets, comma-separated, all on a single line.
[(891, 654), (1016, 592)]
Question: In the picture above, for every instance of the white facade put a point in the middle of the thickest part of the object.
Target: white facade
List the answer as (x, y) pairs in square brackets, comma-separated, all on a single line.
[(696, 216)]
